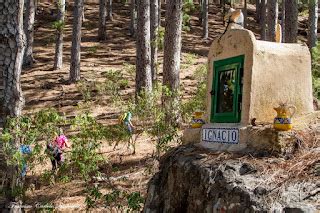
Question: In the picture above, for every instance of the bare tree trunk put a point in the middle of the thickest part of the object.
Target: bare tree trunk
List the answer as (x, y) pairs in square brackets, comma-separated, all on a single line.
[(12, 40), (258, 10), (76, 41), (143, 59), (102, 35), (133, 23), (283, 18), (171, 62), (154, 18), (205, 30), (245, 14), (58, 58), (109, 10), (201, 12), (291, 21), (28, 29), (313, 23), (272, 19), (263, 19), (12, 47), (159, 12)]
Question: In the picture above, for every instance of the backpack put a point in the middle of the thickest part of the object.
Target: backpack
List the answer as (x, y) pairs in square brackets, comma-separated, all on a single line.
[(122, 117)]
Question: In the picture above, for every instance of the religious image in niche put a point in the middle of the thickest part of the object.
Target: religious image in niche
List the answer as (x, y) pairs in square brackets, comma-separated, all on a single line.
[(226, 91)]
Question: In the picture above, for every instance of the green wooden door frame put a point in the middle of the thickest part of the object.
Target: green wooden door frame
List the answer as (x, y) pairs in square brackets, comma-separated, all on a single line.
[(235, 64)]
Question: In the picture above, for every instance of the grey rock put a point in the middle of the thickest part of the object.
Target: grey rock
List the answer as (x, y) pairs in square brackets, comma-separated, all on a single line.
[(187, 183)]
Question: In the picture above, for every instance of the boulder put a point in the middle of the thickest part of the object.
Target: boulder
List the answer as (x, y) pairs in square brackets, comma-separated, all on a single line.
[(192, 179)]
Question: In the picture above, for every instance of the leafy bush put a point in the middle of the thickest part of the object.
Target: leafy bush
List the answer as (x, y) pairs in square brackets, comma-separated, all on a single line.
[(85, 88), (58, 25), (29, 130), (197, 101), (151, 115), (112, 86), (84, 156), (188, 8), (83, 159), (135, 201), (160, 38)]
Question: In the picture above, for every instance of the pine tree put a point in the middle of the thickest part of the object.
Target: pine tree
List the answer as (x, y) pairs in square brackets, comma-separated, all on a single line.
[(133, 18), (28, 29), (205, 30), (272, 19), (171, 61), (313, 23), (245, 14), (258, 10), (263, 20), (283, 18), (143, 59), (291, 21), (11, 56), (102, 35), (12, 47), (76, 41), (109, 10), (58, 58), (154, 20)]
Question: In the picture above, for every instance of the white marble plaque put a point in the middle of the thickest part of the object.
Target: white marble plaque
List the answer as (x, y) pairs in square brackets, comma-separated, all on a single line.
[(220, 135)]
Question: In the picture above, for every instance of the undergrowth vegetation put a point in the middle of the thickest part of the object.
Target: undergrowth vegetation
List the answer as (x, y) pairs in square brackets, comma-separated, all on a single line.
[(84, 160)]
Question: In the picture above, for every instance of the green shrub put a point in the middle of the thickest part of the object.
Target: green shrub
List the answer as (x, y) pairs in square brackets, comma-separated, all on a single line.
[(58, 25), (160, 38), (113, 84), (198, 101), (135, 201), (151, 116)]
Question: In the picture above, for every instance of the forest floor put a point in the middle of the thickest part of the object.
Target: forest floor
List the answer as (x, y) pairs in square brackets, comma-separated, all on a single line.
[(44, 88)]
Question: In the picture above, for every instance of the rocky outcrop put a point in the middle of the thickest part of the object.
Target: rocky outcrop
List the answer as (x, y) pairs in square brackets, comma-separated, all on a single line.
[(192, 179)]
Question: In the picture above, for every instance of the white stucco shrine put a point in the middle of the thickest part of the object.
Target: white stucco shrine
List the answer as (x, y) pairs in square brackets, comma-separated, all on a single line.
[(247, 78)]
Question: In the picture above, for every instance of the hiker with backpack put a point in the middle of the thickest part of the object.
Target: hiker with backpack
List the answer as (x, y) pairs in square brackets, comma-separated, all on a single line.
[(125, 119), (56, 149)]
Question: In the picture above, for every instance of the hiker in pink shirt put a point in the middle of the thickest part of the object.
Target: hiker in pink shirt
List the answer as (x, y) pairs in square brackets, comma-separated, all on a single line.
[(56, 149)]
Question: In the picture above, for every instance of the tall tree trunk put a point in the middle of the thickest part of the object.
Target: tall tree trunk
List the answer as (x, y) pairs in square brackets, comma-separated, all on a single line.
[(76, 41), (205, 30), (58, 57), (109, 15), (283, 19), (12, 47), (159, 12), (258, 10), (102, 35), (143, 59), (200, 12), (272, 19), (263, 20), (154, 19), (133, 23), (28, 29), (245, 14), (171, 61), (12, 40), (291, 21), (313, 23)]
